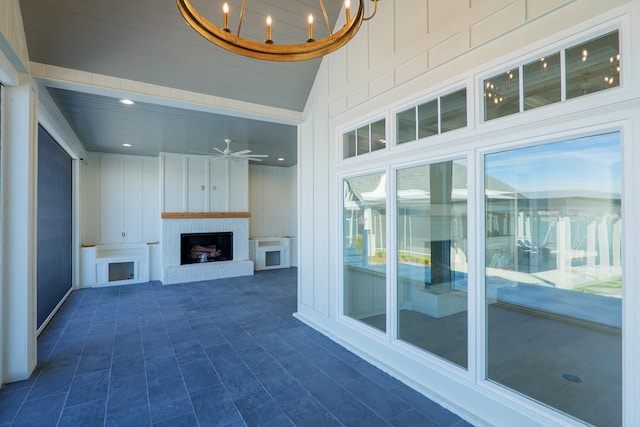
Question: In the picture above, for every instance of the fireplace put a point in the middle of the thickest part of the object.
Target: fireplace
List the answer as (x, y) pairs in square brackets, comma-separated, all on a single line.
[(206, 247), (237, 263)]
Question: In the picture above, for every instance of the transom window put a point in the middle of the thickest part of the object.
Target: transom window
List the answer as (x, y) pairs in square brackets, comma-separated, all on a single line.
[(588, 67), (365, 139), (433, 117)]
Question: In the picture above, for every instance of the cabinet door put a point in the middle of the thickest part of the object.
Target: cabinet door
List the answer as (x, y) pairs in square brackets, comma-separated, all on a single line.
[(239, 186), (132, 200), (218, 185), (174, 183), (197, 183), (111, 189)]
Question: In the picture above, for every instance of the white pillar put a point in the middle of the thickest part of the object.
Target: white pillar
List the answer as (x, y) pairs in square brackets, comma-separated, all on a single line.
[(603, 242), (19, 185), (591, 245), (617, 246), (563, 239)]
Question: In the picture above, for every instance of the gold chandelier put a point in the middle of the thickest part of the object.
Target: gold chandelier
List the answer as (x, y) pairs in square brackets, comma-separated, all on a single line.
[(268, 50)]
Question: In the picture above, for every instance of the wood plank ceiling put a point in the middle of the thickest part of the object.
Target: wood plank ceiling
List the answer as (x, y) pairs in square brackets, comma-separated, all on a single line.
[(149, 41)]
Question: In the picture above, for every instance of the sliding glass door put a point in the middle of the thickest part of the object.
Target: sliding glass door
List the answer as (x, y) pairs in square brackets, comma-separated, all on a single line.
[(432, 258), (364, 249)]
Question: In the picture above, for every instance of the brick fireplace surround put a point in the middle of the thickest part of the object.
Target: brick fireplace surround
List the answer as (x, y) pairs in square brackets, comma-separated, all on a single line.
[(174, 224)]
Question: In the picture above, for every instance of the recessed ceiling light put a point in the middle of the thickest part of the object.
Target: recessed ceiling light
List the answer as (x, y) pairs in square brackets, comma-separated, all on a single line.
[(127, 101), (126, 145), (281, 159)]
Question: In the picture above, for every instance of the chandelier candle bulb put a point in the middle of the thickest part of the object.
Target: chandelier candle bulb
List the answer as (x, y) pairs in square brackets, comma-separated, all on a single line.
[(310, 20), (267, 49), (347, 6), (269, 21), (225, 11)]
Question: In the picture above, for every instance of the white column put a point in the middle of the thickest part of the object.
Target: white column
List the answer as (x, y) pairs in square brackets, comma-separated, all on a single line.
[(19, 185), (591, 245), (603, 242)]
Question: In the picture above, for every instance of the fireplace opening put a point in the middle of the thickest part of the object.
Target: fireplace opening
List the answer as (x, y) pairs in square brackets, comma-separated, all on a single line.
[(206, 247)]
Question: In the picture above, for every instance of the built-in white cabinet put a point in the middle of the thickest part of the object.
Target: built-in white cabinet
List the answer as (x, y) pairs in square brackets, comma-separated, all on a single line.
[(119, 211), (121, 199), (219, 190), (268, 253), (117, 264), (197, 183), (193, 183)]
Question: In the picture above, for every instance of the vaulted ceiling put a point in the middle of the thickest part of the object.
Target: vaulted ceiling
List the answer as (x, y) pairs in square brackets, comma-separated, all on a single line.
[(149, 41)]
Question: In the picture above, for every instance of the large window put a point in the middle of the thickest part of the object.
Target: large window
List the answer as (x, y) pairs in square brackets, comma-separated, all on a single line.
[(432, 262), (364, 249), (554, 276)]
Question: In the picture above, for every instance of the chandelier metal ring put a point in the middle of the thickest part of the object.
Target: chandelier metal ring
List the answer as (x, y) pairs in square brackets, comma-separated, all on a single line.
[(268, 50)]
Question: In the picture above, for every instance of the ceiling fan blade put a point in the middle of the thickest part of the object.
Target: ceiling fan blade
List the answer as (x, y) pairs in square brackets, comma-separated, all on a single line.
[(241, 153), (257, 155), (219, 151)]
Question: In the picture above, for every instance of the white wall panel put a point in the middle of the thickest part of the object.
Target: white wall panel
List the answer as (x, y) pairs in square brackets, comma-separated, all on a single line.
[(111, 201), (497, 22), (537, 8), (197, 184), (151, 200), (218, 188), (120, 194), (273, 201), (323, 243), (307, 215), (91, 215), (132, 208), (410, 34), (256, 197), (174, 172), (238, 185)]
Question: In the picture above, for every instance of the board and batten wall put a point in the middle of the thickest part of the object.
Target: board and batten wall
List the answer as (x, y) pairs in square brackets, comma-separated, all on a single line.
[(273, 204), (119, 199), (122, 194), (409, 50)]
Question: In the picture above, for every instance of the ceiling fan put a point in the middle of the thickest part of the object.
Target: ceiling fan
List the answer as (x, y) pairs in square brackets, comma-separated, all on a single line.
[(237, 155)]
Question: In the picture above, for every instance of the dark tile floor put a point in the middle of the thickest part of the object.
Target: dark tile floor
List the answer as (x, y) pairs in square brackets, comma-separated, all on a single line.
[(217, 353)]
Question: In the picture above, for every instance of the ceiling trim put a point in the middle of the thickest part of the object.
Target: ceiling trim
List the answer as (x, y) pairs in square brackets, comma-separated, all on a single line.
[(98, 84), (50, 117)]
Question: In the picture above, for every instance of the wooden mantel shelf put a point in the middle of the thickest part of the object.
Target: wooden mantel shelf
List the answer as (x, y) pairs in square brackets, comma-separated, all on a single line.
[(195, 215)]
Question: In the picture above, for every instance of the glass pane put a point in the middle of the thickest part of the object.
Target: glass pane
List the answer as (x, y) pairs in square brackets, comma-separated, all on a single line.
[(378, 135), (362, 140), (428, 119), (554, 275), (502, 95), (432, 258), (542, 82), (593, 66), (349, 144), (364, 219), (453, 111), (406, 126)]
